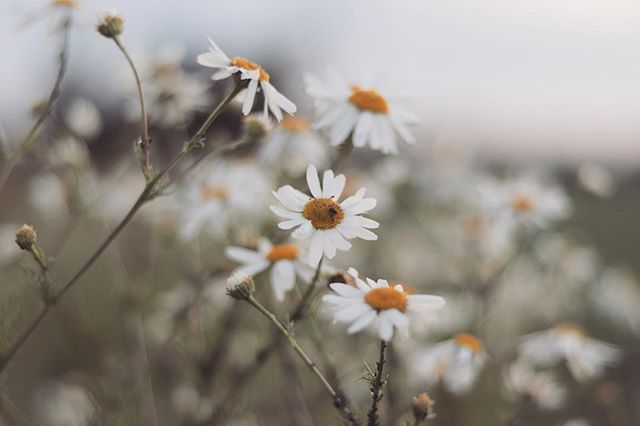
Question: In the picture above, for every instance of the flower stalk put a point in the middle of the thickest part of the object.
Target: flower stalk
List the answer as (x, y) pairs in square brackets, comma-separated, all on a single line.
[(376, 386)]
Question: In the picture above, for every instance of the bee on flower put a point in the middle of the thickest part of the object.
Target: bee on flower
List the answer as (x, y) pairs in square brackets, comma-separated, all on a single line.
[(293, 145), (362, 112), (542, 388), (274, 101), (456, 363), (586, 357), (376, 303), (283, 259), (320, 217)]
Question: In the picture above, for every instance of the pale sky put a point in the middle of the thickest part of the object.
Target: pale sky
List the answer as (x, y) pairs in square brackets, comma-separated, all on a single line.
[(555, 78)]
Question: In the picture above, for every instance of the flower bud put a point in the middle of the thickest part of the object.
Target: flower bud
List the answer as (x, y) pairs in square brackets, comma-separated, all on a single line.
[(422, 407), (111, 25), (26, 237), (240, 286)]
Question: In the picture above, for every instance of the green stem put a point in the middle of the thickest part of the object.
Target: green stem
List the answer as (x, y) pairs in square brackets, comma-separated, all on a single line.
[(376, 387)]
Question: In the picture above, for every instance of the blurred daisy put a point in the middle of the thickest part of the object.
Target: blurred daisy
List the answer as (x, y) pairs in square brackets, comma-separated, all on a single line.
[(370, 117), (294, 145), (83, 118), (523, 381), (283, 259), (597, 180), (320, 217), (65, 403), (585, 357), (456, 363), (617, 296), (377, 303), (274, 101)]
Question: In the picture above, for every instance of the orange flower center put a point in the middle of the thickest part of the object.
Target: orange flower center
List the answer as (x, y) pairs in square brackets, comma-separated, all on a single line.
[(209, 193), (248, 65), (368, 100), (64, 3), (522, 204), (569, 327), (294, 124), (383, 298), (283, 252), (324, 213), (470, 341)]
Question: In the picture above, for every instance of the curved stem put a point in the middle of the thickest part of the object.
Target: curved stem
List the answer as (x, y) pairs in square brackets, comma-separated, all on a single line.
[(144, 122), (376, 387)]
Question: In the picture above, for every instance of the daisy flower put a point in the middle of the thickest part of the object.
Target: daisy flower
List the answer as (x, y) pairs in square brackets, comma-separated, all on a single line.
[(322, 218), (522, 380), (455, 362), (617, 297), (370, 117), (377, 303), (283, 259), (293, 144), (585, 357), (274, 101)]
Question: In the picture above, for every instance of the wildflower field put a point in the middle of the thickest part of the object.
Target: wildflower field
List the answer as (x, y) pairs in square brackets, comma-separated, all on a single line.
[(208, 231)]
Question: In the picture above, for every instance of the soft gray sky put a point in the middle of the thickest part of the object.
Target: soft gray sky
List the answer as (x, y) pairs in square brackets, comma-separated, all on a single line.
[(558, 78)]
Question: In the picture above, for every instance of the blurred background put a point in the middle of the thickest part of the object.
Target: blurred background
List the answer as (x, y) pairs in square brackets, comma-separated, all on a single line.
[(548, 87)]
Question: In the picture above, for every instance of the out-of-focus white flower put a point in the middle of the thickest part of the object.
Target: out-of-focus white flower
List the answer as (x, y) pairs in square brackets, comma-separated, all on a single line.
[(320, 217), (577, 422), (455, 362), (48, 194), (64, 403), (274, 101), (585, 357), (525, 201), (225, 193), (84, 119), (457, 314), (370, 117), (284, 260), (522, 380), (596, 180), (617, 296), (378, 303), (175, 97), (68, 151), (579, 264), (293, 145)]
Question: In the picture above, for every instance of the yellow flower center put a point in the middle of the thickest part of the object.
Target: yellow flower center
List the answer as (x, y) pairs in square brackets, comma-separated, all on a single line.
[(383, 298), (470, 341), (324, 213), (569, 327), (248, 65), (368, 100), (522, 204), (209, 193), (294, 124), (64, 3), (283, 252)]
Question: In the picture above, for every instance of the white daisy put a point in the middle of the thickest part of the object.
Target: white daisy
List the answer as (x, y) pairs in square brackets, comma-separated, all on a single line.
[(320, 217), (455, 362), (585, 357), (362, 112), (542, 388), (293, 145), (378, 303), (284, 260), (617, 296), (84, 119), (274, 101)]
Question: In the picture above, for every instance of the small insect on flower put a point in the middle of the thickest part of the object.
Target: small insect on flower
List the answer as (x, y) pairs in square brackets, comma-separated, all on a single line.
[(274, 101), (322, 218), (378, 303), (586, 357), (284, 260), (370, 117), (455, 362)]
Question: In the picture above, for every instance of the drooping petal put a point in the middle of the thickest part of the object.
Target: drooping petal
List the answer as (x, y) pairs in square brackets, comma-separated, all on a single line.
[(283, 278)]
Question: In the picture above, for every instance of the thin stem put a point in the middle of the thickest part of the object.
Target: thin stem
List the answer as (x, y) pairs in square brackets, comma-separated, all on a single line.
[(149, 192), (144, 122), (343, 153), (25, 145), (338, 403), (301, 308), (376, 387)]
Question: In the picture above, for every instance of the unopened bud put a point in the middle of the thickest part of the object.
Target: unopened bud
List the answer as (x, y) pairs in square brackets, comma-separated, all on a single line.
[(422, 407), (111, 25), (26, 237), (240, 286), (340, 277)]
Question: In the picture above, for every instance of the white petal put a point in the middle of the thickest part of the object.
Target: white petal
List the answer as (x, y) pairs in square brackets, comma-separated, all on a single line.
[(362, 322), (361, 206), (304, 232), (290, 224), (316, 249), (385, 328), (212, 60), (283, 278), (313, 181), (278, 98), (285, 213), (421, 302), (249, 97), (291, 198), (243, 255), (346, 290)]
